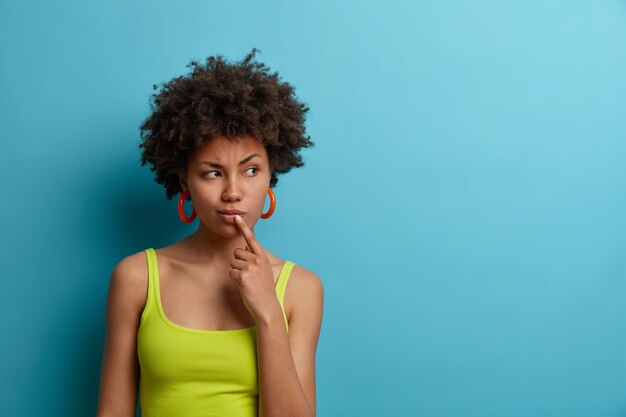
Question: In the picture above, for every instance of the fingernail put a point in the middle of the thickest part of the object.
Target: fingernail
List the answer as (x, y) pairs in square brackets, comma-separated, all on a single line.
[(237, 218)]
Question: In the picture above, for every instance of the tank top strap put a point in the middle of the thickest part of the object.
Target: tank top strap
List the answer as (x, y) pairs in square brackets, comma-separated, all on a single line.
[(152, 271), (281, 286)]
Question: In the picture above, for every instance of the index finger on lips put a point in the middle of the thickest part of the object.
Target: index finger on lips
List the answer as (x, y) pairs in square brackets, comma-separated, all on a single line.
[(248, 235)]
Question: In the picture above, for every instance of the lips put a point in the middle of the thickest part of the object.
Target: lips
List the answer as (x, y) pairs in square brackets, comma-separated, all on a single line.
[(230, 218), (229, 214), (230, 211)]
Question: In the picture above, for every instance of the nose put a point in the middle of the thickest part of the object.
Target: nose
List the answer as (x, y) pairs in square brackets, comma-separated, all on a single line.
[(232, 192)]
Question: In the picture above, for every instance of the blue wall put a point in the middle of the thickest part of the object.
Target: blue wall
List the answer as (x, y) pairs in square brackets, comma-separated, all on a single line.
[(464, 204)]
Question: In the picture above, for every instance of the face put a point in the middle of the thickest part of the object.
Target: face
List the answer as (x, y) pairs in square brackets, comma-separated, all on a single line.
[(221, 175)]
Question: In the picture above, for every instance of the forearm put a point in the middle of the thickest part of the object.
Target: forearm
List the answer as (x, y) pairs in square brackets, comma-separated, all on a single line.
[(280, 391)]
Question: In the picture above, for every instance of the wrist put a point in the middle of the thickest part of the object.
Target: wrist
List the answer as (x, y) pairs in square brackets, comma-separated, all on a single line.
[(270, 318)]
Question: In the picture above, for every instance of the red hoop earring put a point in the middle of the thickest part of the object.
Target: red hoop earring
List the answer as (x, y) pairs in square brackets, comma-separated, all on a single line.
[(181, 208), (272, 205)]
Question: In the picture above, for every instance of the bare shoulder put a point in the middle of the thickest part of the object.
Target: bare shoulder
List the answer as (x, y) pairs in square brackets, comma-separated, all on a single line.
[(304, 292), (305, 277), (129, 280)]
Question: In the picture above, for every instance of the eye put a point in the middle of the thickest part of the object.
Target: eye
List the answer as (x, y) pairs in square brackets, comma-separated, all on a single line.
[(208, 172), (254, 168)]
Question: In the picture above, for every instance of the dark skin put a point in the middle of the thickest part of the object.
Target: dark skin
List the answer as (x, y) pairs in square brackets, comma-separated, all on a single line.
[(220, 277), (209, 252)]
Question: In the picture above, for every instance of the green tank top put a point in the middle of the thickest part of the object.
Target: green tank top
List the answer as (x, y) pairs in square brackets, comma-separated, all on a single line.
[(187, 372)]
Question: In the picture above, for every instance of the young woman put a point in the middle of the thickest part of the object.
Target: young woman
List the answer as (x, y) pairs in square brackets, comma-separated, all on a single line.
[(215, 324)]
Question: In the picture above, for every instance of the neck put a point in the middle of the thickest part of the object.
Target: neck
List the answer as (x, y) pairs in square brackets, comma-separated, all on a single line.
[(206, 246)]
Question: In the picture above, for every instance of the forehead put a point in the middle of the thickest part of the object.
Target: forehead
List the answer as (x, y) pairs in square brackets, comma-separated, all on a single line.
[(228, 151)]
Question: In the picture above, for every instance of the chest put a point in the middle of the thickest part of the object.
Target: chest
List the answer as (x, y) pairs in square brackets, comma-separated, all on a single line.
[(206, 300)]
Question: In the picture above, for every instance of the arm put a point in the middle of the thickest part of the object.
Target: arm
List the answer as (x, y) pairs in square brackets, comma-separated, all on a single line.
[(287, 360), (119, 375)]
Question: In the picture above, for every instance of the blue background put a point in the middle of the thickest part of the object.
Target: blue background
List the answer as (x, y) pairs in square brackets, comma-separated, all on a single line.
[(464, 204)]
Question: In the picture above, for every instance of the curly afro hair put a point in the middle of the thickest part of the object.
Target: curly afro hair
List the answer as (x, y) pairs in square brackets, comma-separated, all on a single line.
[(222, 99)]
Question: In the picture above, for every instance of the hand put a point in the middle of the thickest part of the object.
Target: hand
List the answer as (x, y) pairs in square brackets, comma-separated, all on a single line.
[(252, 271)]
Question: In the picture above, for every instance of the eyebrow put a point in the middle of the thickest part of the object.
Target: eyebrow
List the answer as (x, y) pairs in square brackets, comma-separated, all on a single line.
[(216, 165)]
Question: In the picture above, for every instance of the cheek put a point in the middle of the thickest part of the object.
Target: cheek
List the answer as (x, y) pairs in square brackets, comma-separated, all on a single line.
[(207, 199), (259, 197)]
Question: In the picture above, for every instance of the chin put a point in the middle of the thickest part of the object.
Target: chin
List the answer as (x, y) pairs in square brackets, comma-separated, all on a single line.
[(227, 230)]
